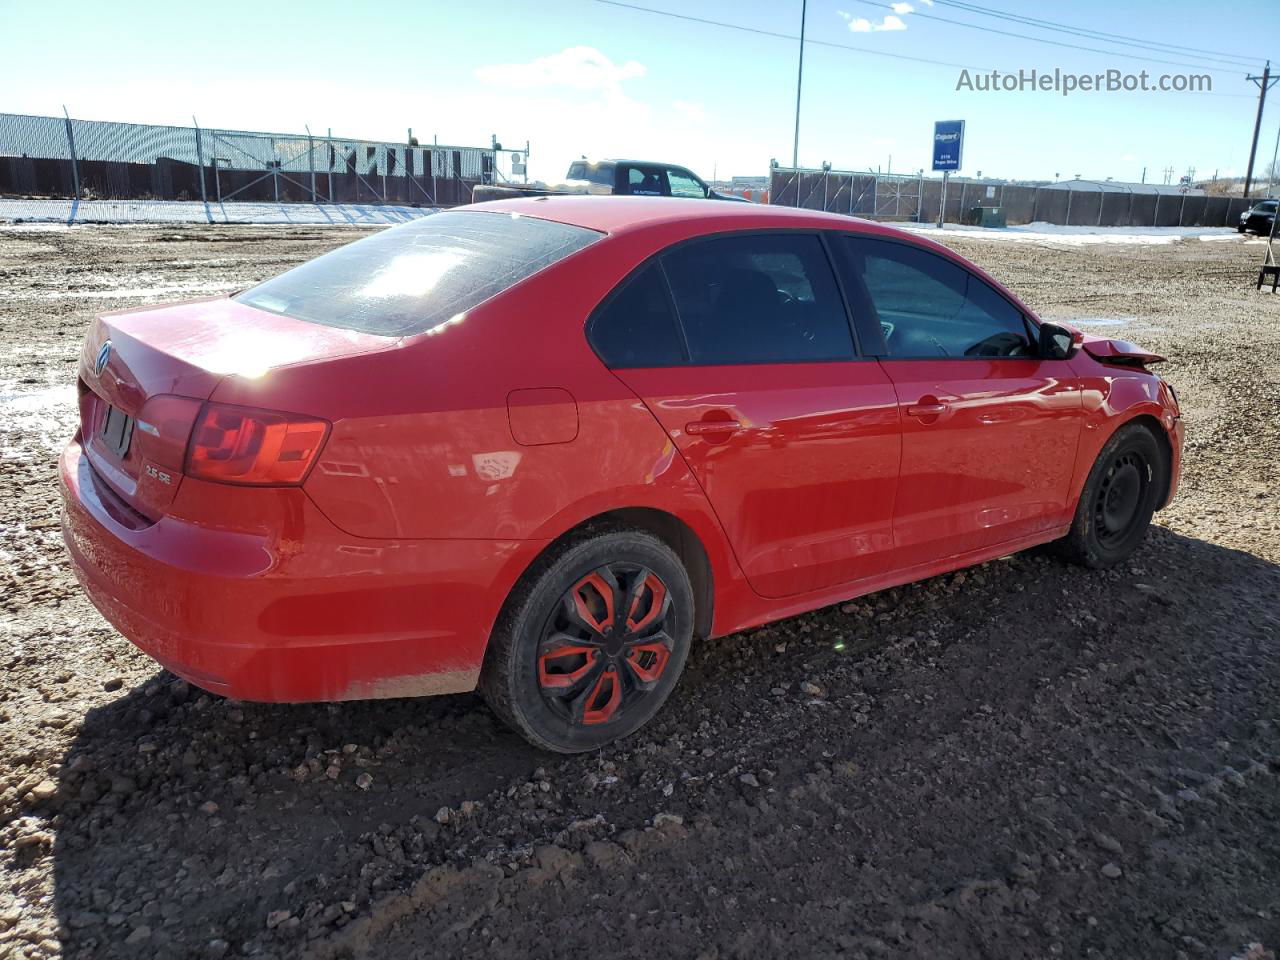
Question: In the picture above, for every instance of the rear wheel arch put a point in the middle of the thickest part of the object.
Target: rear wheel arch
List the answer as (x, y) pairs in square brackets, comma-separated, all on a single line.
[(688, 546), (667, 527)]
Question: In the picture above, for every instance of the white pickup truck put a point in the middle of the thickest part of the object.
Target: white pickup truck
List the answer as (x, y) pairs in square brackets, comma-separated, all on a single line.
[(611, 177)]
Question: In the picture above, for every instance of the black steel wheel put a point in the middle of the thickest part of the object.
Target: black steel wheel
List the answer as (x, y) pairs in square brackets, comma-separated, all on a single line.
[(1118, 500)]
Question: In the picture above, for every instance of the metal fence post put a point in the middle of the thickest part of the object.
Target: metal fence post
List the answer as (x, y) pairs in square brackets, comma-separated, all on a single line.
[(311, 163), (1067, 220), (217, 180), (332, 159), (1155, 214), (1182, 208), (200, 162), (1035, 203), (75, 166)]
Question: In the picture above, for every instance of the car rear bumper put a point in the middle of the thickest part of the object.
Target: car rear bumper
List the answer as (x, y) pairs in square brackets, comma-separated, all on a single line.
[(295, 613)]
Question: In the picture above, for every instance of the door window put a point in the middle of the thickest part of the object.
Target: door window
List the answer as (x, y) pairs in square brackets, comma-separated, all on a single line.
[(758, 299), (684, 185), (644, 183), (637, 327), (929, 306)]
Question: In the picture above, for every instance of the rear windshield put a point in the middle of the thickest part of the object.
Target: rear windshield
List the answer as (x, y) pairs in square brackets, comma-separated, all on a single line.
[(601, 173), (416, 276)]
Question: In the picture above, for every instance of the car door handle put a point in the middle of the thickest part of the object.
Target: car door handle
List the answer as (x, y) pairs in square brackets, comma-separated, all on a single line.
[(699, 427), (927, 408)]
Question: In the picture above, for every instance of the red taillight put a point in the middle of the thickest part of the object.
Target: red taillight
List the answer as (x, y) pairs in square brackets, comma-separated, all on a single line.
[(243, 445)]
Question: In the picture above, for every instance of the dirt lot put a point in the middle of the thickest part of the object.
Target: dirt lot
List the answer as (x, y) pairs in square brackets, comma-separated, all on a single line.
[(1021, 760)]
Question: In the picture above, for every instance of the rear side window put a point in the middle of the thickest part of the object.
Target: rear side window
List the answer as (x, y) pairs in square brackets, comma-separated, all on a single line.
[(645, 183), (412, 278), (758, 298), (929, 306), (636, 327)]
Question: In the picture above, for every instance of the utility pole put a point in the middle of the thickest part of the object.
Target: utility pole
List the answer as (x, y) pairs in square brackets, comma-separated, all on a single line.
[(1264, 83), (795, 147)]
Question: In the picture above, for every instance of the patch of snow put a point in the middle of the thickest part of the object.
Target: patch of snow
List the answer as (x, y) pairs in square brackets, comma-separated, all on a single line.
[(1057, 233), (55, 212)]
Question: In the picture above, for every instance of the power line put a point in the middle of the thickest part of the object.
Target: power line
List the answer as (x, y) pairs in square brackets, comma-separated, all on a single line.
[(788, 36), (1116, 38), (1023, 36), (864, 50)]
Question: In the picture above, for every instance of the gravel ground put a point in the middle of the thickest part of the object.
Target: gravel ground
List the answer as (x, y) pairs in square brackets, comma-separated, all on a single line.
[(1024, 759)]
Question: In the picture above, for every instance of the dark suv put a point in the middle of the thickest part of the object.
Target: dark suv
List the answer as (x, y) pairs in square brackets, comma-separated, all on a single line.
[(1259, 219)]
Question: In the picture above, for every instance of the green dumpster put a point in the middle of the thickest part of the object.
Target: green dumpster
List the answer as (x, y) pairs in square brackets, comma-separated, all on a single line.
[(986, 217)]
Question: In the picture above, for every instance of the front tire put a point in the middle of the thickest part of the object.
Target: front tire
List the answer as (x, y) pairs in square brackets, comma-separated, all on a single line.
[(592, 641), (1118, 499)]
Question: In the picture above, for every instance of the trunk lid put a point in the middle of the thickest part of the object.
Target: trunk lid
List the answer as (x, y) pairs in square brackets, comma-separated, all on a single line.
[(145, 373)]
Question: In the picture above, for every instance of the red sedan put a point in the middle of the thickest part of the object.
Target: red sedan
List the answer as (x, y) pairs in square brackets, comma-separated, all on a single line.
[(539, 446)]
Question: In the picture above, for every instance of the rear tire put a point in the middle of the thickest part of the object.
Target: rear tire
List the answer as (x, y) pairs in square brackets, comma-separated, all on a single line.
[(1118, 500), (591, 642)]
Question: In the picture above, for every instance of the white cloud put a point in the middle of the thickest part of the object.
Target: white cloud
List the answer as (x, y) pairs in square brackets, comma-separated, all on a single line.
[(689, 109), (903, 8), (863, 25), (845, 14), (579, 68)]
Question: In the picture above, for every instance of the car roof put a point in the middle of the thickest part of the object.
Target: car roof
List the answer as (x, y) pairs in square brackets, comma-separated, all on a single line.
[(610, 214), (625, 215)]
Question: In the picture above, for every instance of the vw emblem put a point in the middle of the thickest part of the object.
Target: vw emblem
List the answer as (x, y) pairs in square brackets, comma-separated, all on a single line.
[(103, 356)]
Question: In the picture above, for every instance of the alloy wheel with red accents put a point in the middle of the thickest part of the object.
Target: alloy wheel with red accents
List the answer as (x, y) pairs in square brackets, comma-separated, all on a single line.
[(593, 642), (606, 645)]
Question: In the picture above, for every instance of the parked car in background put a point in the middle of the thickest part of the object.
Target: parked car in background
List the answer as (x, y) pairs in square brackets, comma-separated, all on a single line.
[(542, 446), (636, 178), (1259, 218)]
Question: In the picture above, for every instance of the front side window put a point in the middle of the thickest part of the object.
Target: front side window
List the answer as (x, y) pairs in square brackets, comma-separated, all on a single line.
[(684, 185), (758, 298), (929, 306), (412, 278)]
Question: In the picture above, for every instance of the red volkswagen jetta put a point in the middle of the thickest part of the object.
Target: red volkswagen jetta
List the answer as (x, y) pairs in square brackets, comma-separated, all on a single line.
[(538, 446)]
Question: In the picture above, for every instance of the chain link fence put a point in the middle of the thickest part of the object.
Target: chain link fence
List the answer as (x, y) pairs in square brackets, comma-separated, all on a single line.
[(144, 171), (1077, 203)]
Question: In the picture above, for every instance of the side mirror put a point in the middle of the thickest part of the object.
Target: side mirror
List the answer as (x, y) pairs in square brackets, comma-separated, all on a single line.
[(1058, 343)]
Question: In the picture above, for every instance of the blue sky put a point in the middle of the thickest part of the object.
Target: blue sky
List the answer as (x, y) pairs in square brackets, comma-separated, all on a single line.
[(581, 77)]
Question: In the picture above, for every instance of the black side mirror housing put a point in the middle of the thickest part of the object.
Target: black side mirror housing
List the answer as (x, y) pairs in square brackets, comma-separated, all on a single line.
[(1057, 343)]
